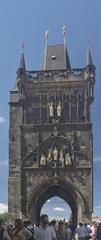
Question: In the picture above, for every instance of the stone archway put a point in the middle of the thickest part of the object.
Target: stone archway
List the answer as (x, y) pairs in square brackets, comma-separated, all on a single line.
[(57, 208), (62, 190)]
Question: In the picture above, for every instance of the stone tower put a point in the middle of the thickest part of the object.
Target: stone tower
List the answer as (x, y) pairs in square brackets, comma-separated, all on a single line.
[(50, 136)]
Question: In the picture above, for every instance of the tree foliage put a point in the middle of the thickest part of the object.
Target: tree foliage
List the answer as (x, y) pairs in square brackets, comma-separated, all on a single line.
[(4, 217)]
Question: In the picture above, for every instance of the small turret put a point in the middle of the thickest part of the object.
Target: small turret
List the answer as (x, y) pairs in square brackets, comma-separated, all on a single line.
[(22, 65), (89, 58), (90, 68), (22, 62)]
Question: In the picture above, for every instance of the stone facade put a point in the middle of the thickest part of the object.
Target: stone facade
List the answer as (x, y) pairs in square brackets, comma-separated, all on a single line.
[(50, 141)]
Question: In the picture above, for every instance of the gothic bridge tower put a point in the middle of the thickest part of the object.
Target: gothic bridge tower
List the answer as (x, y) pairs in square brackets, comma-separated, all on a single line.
[(50, 136)]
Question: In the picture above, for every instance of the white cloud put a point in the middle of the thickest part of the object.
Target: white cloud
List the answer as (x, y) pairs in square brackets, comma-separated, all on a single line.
[(98, 207), (58, 209), (58, 218), (2, 120), (97, 159), (3, 163), (3, 208)]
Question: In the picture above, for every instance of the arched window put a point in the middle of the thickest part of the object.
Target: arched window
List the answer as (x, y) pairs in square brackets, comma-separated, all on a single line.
[(36, 115), (66, 112), (81, 111), (73, 113)]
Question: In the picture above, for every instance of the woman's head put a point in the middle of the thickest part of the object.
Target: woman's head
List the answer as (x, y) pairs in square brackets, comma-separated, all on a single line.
[(61, 226)]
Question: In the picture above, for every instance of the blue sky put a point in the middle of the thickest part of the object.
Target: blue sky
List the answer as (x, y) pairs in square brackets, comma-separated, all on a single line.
[(27, 20)]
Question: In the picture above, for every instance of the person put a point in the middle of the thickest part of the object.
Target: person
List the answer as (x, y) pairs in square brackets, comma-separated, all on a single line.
[(54, 224), (71, 226), (20, 232), (80, 231), (61, 233), (87, 231), (98, 233), (69, 231), (3, 233), (44, 231), (94, 230), (28, 224)]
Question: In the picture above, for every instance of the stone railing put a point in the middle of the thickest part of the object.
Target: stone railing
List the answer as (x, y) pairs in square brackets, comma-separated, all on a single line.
[(53, 74)]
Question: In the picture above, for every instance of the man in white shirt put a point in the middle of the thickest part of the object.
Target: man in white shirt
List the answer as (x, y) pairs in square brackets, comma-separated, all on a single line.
[(44, 231), (80, 231)]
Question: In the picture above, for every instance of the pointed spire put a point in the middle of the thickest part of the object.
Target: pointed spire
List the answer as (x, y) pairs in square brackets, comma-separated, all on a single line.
[(22, 58), (89, 57), (45, 53), (66, 57), (64, 34)]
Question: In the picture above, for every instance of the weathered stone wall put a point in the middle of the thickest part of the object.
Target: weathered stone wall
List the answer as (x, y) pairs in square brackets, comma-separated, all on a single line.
[(29, 139)]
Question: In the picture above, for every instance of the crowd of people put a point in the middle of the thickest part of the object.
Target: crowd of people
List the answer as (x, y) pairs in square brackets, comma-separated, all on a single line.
[(54, 230)]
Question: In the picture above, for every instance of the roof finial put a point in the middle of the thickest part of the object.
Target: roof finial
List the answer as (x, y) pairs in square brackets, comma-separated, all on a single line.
[(22, 58), (23, 46), (46, 44), (64, 33), (88, 45), (89, 57)]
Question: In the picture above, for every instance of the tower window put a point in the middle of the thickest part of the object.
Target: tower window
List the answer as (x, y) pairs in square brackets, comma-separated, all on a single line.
[(53, 57)]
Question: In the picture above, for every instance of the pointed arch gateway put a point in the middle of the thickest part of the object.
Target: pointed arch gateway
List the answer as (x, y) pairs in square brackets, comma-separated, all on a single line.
[(56, 188)]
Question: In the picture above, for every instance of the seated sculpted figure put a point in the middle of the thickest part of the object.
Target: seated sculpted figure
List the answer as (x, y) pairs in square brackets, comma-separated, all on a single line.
[(43, 160), (49, 156), (59, 109), (68, 159), (61, 158), (51, 110), (55, 156)]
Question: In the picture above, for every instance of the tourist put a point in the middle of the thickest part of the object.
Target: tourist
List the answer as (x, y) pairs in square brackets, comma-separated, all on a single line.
[(94, 231), (80, 231), (69, 231), (54, 224), (61, 233), (71, 226), (28, 224), (20, 232), (98, 233), (44, 231), (87, 231), (3, 233)]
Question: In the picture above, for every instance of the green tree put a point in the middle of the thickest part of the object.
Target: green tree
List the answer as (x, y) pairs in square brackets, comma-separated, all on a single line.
[(4, 217)]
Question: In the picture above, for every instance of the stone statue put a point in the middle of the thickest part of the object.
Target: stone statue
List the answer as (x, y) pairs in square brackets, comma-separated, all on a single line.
[(68, 159), (59, 109), (55, 154), (49, 156), (61, 158), (43, 160), (51, 110)]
